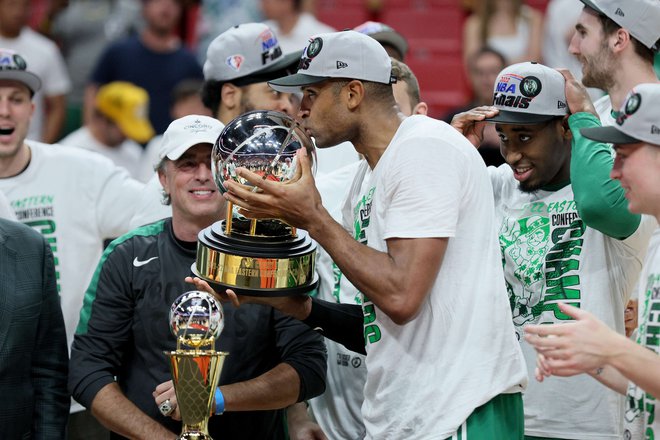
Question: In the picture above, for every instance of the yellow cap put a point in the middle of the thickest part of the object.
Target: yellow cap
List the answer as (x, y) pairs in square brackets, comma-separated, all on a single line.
[(128, 106)]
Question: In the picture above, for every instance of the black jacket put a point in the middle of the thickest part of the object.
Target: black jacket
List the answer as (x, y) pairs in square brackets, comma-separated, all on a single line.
[(124, 330)]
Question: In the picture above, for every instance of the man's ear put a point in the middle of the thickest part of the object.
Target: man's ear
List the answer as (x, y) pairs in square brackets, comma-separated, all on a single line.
[(620, 40), (567, 133), (354, 91), (230, 96), (421, 108)]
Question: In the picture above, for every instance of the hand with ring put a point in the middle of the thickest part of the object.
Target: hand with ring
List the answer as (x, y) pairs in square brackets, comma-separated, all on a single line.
[(165, 399)]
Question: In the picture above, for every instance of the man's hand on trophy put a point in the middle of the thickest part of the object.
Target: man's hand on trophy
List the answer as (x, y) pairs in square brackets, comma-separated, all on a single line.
[(165, 399), (471, 123), (297, 202), (296, 306)]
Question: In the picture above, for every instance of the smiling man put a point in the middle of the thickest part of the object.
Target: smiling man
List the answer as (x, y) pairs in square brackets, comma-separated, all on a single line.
[(565, 235), (117, 355), (588, 346)]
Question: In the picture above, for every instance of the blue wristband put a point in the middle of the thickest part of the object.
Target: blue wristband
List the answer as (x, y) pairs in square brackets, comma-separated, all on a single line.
[(219, 402)]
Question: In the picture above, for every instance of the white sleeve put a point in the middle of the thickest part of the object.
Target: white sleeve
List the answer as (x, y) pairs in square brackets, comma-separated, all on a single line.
[(6, 210), (150, 206), (57, 81), (117, 198), (423, 190)]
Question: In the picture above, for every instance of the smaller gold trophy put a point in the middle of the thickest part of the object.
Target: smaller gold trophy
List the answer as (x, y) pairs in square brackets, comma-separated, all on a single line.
[(196, 320)]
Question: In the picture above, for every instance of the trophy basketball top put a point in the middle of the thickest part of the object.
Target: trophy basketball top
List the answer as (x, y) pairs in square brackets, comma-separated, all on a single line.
[(264, 142), (196, 319)]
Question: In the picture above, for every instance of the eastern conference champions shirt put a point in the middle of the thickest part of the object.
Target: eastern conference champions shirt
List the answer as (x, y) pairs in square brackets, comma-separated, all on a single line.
[(426, 377), (551, 256), (642, 405)]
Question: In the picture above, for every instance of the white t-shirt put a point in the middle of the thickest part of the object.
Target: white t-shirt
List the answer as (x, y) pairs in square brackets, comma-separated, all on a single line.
[(641, 405), (426, 377), (298, 38), (6, 211), (604, 109), (550, 256), (44, 59), (76, 199), (338, 409), (127, 155), (151, 205)]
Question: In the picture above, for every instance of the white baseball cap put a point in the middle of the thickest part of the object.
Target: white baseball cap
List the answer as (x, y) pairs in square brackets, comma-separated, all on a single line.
[(187, 132), (247, 50), (638, 120), (345, 54), (529, 93), (14, 67), (640, 17)]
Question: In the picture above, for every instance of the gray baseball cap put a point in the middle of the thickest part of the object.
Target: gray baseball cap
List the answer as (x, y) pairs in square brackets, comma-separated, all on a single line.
[(529, 93), (345, 54), (14, 67), (638, 120), (640, 17), (247, 50)]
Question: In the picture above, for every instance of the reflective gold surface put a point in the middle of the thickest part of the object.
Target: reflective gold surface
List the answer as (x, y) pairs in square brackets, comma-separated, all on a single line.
[(254, 272), (195, 374)]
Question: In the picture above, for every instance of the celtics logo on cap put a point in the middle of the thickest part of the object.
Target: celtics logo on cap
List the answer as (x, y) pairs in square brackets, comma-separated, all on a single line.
[(20, 62), (632, 105), (530, 86), (314, 47)]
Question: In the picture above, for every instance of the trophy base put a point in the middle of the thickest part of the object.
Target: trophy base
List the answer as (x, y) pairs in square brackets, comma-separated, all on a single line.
[(194, 436), (256, 265)]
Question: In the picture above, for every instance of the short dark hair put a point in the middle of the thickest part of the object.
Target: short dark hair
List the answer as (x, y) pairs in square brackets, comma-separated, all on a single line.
[(487, 50), (402, 72), (212, 95), (610, 26)]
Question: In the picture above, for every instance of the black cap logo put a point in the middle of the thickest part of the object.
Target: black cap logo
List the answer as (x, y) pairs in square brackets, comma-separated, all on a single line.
[(314, 47), (530, 86), (20, 62), (632, 105)]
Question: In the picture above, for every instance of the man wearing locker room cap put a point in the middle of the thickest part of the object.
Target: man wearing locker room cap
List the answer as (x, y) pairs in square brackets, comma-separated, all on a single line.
[(439, 363), (587, 345), (565, 234)]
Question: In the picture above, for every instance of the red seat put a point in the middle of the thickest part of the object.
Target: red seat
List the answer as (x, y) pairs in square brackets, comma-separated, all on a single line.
[(341, 19), (442, 82), (435, 24)]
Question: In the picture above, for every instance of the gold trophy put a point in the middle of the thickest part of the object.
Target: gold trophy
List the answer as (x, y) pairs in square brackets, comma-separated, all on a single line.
[(257, 257), (196, 320)]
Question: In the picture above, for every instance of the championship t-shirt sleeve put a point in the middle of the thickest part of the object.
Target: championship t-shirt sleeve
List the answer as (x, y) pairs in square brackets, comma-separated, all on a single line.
[(421, 189)]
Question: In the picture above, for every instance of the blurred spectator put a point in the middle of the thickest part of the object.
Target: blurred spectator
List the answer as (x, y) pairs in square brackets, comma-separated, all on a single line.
[(119, 121), (187, 100), (33, 355), (508, 26), (75, 198), (560, 19), (292, 26), (216, 16), (83, 29), (154, 60), (44, 59), (483, 68), (394, 43)]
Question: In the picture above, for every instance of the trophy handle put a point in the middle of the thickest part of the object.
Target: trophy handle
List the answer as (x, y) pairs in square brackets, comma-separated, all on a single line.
[(195, 375)]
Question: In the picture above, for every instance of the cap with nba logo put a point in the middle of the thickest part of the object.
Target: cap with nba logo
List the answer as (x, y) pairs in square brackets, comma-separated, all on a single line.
[(638, 120), (249, 50), (345, 54), (14, 67), (529, 93), (640, 17)]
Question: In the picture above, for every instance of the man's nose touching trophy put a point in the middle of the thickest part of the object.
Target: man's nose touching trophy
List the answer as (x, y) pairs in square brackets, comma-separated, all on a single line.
[(264, 257), (196, 320)]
